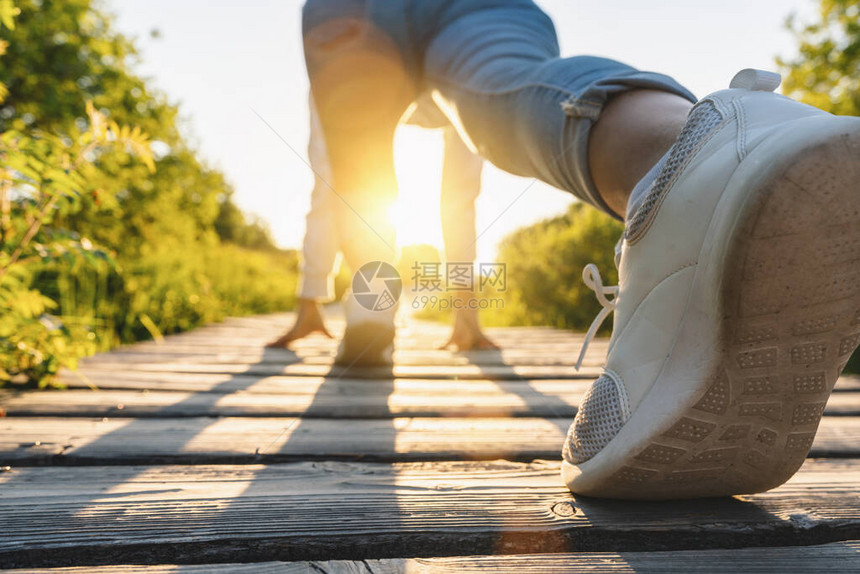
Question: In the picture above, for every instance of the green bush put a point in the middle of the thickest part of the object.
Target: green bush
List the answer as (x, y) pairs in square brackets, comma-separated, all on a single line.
[(42, 179), (544, 269), (174, 290), (102, 241), (543, 265)]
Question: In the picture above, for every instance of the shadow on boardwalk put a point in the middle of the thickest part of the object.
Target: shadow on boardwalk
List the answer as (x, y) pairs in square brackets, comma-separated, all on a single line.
[(562, 411), (390, 507)]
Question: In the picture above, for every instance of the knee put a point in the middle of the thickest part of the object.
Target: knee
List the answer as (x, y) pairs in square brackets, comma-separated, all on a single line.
[(357, 74)]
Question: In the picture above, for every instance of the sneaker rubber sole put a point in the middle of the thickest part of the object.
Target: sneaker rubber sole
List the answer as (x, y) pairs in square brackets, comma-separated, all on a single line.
[(787, 291), (366, 345)]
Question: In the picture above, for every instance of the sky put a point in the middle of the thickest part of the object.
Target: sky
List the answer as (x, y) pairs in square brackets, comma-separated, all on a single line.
[(224, 61)]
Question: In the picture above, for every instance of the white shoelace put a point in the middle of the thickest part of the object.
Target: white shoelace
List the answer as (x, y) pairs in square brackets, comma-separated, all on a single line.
[(592, 279)]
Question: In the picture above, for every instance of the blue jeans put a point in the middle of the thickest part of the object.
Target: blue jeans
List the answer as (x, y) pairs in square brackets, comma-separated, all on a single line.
[(493, 67)]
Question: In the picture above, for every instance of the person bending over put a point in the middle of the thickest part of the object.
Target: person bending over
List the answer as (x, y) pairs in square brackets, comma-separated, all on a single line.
[(739, 295), (461, 184)]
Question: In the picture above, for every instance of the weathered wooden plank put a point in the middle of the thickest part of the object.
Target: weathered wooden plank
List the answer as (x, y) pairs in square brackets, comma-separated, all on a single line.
[(336, 322), (509, 365), (316, 398), (832, 557), (277, 384), (308, 511), (415, 334), (566, 356), (48, 440), (336, 399), (417, 331), (317, 344), (391, 566), (411, 328), (466, 371), (229, 352), (234, 440), (848, 383)]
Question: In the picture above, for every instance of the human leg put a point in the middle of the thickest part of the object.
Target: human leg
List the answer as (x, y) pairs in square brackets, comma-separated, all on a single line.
[(633, 132), (739, 298), (498, 76), (361, 89), (737, 308)]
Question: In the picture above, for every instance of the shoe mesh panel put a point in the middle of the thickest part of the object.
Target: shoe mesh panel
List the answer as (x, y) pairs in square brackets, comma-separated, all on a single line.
[(597, 421), (703, 119)]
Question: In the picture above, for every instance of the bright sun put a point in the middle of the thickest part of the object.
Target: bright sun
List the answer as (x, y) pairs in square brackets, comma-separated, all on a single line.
[(418, 162)]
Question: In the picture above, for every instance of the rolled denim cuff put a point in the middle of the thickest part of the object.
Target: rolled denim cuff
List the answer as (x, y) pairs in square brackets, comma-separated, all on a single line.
[(586, 108)]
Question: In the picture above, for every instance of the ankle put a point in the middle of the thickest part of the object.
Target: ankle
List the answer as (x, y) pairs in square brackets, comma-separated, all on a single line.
[(633, 132)]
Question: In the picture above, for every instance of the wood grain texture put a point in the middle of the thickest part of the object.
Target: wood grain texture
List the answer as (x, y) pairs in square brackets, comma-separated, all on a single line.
[(311, 511), (301, 369), (201, 440), (836, 557), (277, 384), (253, 332), (322, 398), (317, 398), (220, 353), (371, 470), (228, 348)]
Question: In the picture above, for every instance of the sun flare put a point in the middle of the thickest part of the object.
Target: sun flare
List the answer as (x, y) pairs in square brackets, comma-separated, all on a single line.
[(418, 163)]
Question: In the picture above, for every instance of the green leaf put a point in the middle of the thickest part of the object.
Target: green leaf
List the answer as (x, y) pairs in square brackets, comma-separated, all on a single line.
[(8, 12)]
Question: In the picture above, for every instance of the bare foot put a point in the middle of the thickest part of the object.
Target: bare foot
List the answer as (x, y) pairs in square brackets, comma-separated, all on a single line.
[(308, 320), (467, 334)]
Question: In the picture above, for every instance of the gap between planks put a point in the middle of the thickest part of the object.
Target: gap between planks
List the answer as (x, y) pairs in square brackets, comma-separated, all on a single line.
[(835, 557), (232, 440), (336, 399), (311, 511)]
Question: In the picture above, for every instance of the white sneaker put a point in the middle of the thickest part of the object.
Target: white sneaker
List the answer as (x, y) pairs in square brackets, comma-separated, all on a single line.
[(738, 304), (368, 344), (368, 340)]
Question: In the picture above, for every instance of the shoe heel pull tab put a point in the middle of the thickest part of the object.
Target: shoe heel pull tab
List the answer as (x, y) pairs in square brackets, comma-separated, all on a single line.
[(756, 80)]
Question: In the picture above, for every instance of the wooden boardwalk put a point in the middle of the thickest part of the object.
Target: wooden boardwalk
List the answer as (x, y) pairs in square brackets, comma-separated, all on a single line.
[(210, 453)]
